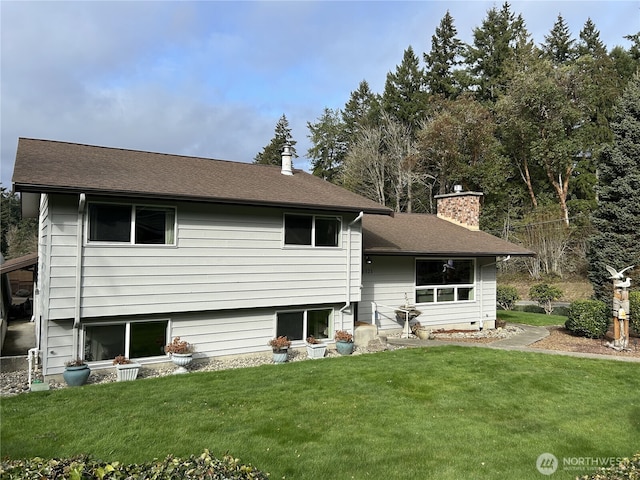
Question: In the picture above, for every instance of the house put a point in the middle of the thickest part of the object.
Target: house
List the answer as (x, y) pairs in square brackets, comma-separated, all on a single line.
[(136, 248)]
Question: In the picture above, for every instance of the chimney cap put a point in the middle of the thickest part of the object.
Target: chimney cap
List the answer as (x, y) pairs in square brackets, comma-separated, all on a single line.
[(287, 163), (457, 188)]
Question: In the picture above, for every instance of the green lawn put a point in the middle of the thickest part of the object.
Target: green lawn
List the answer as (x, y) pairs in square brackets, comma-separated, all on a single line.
[(440, 412), (536, 319)]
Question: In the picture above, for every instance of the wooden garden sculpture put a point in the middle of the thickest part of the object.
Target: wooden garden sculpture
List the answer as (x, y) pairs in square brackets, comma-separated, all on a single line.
[(621, 315)]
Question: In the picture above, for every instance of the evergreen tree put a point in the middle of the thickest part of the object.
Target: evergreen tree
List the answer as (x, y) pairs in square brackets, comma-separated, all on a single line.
[(494, 44), (558, 46), (590, 42), (404, 96), (328, 145), (272, 153), (362, 110), (441, 61), (617, 218)]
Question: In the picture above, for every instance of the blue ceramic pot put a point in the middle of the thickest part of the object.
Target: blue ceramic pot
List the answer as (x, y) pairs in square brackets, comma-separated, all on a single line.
[(344, 348), (76, 376)]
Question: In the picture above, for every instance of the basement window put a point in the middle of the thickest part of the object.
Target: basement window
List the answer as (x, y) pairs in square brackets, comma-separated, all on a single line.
[(445, 280), (131, 339), (298, 325), (311, 230)]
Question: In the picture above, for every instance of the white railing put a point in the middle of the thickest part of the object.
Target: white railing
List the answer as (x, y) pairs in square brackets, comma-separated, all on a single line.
[(406, 331)]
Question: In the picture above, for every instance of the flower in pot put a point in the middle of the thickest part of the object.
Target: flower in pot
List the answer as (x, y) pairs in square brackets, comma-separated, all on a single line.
[(344, 342), (125, 368), (76, 372), (181, 353), (315, 348), (280, 346)]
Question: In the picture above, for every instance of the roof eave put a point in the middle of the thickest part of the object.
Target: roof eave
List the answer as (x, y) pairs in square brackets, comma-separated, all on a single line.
[(34, 188), (373, 251)]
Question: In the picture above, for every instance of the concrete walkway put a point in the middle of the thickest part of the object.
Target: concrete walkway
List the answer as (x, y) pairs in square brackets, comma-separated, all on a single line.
[(520, 342)]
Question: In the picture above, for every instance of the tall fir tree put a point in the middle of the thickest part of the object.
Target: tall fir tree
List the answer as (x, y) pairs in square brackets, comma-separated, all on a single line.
[(441, 62), (328, 145), (558, 46), (494, 44), (404, 97), (271, 154), (361, 110), (590, 42), (617, 218)]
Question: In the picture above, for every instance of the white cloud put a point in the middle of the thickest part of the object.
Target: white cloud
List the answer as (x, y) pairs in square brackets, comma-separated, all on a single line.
[(212, 78)]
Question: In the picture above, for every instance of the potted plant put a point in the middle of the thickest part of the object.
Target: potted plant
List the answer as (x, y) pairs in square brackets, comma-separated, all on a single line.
[(280, 346), (181, 353), (125, 368), (76, 372), (315, 348), (419, 331), (344, 342)]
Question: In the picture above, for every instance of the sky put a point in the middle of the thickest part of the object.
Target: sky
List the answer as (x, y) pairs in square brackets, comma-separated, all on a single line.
[(212, 78)]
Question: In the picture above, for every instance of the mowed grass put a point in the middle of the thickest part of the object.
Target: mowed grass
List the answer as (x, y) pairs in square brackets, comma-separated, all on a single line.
[(439, 412), (527, 318)]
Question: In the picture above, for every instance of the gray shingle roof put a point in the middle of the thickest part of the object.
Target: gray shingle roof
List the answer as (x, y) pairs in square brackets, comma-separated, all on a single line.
[(423, 234), (51, 166)]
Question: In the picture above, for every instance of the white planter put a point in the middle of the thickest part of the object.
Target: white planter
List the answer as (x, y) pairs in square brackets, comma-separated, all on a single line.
[(181, 360), (127, 371), (316, 350)]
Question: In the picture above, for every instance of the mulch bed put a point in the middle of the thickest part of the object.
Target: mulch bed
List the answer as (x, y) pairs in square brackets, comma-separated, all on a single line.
[(562, 340)]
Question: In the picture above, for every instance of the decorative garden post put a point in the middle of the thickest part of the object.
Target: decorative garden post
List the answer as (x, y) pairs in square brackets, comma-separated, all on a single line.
[(620, 308)]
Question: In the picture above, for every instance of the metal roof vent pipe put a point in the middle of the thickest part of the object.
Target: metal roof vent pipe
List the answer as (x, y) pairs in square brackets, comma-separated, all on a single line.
[(287, 162)]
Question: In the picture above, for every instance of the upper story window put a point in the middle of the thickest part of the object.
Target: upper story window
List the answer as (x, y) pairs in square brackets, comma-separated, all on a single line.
[(137, 224), (312, 230), (445, 280)]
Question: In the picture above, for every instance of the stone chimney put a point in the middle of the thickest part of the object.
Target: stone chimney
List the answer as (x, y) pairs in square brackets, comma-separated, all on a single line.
[(287, 162), (461, 208)]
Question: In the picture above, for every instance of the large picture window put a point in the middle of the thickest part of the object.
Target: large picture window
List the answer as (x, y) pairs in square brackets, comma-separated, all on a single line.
[(311, 230), (141, 225), (445, 280), (298, 325), (131, 339)]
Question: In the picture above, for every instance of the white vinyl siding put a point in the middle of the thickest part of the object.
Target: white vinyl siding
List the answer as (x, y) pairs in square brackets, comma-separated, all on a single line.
[(388, 279), (226, 257)]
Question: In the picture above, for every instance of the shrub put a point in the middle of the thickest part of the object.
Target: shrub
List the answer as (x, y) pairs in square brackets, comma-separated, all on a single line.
[(634, 311), (588, 318), (203, 467), (628, 468), (544, 294), (506, 297)]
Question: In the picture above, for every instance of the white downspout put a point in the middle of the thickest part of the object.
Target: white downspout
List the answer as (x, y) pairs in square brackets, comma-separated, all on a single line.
[(347, 302), (79, 238)]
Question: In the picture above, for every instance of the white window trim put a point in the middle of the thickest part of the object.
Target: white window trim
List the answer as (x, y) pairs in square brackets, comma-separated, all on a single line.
[(455, 286), (132, 231), (305, 332), (313, 231)]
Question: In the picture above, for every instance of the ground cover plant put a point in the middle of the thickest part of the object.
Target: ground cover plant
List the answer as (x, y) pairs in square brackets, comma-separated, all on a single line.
[(438, 412)]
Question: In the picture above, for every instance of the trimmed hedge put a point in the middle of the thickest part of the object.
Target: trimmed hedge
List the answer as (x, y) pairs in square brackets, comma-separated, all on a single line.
[(588, 318), (203, 467), (627, 469)]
